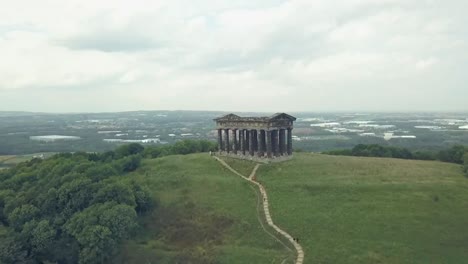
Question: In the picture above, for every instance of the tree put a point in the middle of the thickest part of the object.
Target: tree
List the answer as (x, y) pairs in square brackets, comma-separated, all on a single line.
[(75, 195), (21, 215), (129, 164), (118, 192), (99, 228), (11, 250), (130, 149), (69, 208), (96, 243), (453, 154), (143, 198), (43, 236)]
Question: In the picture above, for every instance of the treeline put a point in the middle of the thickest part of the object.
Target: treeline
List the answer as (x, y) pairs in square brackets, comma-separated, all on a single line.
[(455, 154), (76, 208), (181, 147)]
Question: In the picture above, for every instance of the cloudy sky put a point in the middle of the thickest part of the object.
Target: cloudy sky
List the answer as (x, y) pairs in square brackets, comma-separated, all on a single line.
[(296, 55)]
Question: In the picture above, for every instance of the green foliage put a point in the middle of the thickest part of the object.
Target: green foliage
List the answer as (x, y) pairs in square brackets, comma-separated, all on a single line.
[(180, 148), (43, 235), (99, 228), (129, 163), (119, 192), (130, 149), (71, 207), (77, 207), (453, 154), (143, 198), (21, 215)]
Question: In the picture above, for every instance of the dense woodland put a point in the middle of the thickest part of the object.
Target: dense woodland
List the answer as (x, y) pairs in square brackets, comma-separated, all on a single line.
[(76, 207)]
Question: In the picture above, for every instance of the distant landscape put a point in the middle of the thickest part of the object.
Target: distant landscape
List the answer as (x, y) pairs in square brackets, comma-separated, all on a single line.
[(28, 133)]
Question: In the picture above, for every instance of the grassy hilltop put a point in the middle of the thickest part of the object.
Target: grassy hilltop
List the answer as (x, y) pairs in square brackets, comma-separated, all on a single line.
[(343, 209), (206, 215)]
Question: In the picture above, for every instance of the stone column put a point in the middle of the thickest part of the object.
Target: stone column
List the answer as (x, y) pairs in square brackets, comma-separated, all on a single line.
[(251, 142), (282, 142), (242, 141), (275, 145), (264, 145), (261, 143), (227, 146), (247, 141), (268, 143), (289, 141), (255, 141), (234, 140), (220, 140)]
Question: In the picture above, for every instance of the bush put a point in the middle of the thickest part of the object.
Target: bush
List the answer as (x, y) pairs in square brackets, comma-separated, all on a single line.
[(453, 154)]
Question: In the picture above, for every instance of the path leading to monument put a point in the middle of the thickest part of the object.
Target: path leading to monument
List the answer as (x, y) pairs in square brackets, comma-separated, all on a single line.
[(266, 206)]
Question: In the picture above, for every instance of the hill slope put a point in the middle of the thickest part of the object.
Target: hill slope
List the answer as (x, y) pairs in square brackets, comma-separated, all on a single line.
[(206, 215), (371, 210), (343, 209)]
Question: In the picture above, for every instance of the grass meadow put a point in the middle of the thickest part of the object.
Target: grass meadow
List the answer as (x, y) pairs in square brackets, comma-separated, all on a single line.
[(342, 209), (206, 214), (371, 210)]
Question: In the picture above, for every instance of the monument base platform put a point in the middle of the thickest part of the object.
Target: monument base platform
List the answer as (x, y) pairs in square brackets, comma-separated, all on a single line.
[(255, 157)]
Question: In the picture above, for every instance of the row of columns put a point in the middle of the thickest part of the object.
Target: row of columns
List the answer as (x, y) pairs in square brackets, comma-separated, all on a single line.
[(253, 142)]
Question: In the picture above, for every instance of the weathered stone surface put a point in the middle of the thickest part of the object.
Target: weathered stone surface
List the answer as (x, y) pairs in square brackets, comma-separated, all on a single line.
[(251, 142), (234, 139), (227, 147), (220, 139), (261, 143)]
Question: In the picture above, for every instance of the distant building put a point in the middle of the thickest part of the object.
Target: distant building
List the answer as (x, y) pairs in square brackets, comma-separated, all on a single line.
[(119, 140), (367, 134), (51, 138)]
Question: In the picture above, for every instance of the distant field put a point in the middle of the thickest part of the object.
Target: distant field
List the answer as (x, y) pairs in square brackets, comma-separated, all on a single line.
[(11, 160), (5, 158), (371, 210)]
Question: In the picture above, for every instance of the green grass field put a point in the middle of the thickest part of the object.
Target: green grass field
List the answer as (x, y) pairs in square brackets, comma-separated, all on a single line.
[(371, 210), (206, 215), (343, 209)]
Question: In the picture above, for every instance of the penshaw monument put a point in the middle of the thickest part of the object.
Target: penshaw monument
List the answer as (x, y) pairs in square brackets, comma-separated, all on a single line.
[(264, 139)]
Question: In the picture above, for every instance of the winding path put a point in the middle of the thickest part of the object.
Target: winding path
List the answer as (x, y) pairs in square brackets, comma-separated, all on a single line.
[(297, 246)]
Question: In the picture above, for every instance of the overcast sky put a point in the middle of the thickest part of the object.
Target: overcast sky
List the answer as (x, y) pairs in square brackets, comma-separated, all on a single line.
[(304, 55)]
